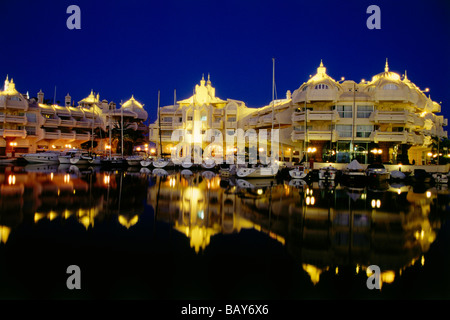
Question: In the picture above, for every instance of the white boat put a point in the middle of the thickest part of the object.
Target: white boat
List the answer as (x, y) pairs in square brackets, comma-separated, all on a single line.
[(187, 164), (299, 172), (145, 170), (397, 175), (134, 160), (64, 157), (354, 174), (377, 172), (81, 159), (255, 183), (146, 162), (42, 157), (208, 164), (328, 172), (162, 163), (7, 160), (440, 178), (257, 172)]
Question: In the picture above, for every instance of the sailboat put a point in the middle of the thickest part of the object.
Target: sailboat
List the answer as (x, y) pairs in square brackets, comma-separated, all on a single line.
[(263, 171)]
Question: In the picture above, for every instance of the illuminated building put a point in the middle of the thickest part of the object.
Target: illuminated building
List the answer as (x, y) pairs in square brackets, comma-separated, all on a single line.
[(386, 119), (28, 125)]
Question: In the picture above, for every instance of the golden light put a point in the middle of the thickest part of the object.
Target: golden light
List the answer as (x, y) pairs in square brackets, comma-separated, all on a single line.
[(380, 151), (378, 203), (66, 178), (399, 191), (261, 149), (428, 194), (138, 149), (308, 200), (13, 144), (106, 179), (12, 179), (152, 150), (260, 191), (53, 146), (429, 154), (51, 176), (107, 147)]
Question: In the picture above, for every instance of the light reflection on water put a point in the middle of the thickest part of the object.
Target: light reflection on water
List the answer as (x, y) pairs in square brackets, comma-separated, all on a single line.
[(324, 228)]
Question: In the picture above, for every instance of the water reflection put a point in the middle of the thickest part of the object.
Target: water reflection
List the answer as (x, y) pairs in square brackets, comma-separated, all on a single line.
[(323, 227)]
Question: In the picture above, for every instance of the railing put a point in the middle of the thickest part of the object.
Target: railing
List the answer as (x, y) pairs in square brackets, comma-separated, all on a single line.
[(231, 124), (377, 136), (83, 136), (52, 122), (84, 124), (68, 136), (52, 135), (392, 117), (13, 133), (68, 123), (217, 125)]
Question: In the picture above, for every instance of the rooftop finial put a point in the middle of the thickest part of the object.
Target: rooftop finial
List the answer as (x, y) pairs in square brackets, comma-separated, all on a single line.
[(386, 66), (209, 80), (321, 63)]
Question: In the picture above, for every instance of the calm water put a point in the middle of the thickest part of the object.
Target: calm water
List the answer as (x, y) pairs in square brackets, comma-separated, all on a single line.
[(138, 235)]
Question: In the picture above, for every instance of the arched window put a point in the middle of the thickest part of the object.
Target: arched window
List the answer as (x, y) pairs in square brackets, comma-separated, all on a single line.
[(390, 86), (321, 86)]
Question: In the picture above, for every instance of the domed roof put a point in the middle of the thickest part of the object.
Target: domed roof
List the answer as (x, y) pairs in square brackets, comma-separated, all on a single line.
[(135, 106), (388, 75)]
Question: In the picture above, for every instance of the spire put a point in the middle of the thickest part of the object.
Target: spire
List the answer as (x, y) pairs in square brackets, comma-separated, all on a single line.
[(202, 82), (321, 69), (209, 80), (386, 66)]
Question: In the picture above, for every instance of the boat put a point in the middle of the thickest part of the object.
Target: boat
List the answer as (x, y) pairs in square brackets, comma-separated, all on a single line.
[(134, 160), (95, 160), (299, 172), (187, 163), (257, 172), (377, 172), (255, 183), (208, 164), (327, 173), (65, 156), (162, 163), (81, 159), (397, 175), (42, 157), (7, 160), (440, 178), (186, 173), (354, 174), (113, 161), (146, 162)]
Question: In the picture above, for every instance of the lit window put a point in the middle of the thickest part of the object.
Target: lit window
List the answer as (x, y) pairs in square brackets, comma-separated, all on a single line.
[(189, 118), (344, 111), (363, 131), (321, 86), (203, 118), (390, 86), (364, 111), (344, 131)]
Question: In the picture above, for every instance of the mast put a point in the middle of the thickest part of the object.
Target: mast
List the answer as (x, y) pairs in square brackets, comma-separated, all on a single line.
[(121, 128), (159, 125)]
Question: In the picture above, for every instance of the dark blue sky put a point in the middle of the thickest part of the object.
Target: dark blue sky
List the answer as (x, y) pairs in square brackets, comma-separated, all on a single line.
[(140, 47)]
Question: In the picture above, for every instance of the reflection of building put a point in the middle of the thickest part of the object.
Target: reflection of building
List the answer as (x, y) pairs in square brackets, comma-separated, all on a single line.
[(197, 207), (52, 195), (358, 228), (27, 125)]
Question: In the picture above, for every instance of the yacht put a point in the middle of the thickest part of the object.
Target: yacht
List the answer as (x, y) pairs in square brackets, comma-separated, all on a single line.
[(257, 172), (354, 174), (327, 173), (208, 164), (42, 157), (81, 159), (299, 172), (162, 163), (64, 157), (134, 160), (377, 172)]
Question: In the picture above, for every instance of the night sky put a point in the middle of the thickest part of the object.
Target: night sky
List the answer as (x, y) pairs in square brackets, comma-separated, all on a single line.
[(140, 47)]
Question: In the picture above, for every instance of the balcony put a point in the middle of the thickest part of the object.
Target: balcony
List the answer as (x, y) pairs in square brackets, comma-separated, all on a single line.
[(252, 122), (52, 135), (13, 133), (321, 135), (52, 122), (217, 125), (378, 136), (83, 136), (18, 105), (402, 117), (68, 136), (8, 118), (297, 136), (177, 125), (83, 123), (218, 112)]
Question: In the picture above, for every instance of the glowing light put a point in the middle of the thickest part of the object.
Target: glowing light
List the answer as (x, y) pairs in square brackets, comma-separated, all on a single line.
[(12, 180), (51, 176), (428, 194), (429, 154), (13, 144), (138, 149), (106, 179), (260, 191), (107, 147), (152, 150), (378, 203), (399, 191)]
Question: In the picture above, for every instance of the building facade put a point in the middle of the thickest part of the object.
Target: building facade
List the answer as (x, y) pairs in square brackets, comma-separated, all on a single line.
[(387, 119), (30, 125)]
